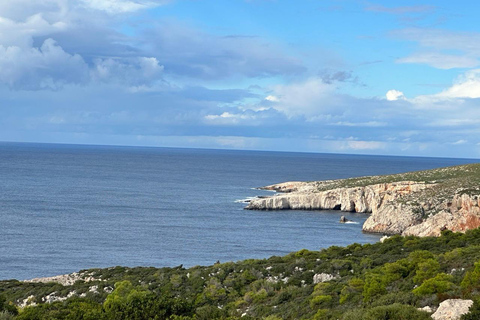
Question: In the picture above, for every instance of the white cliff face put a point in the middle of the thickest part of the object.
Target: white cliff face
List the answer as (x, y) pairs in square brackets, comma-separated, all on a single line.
[(404, 207), (357, 199), (388, 215), (390, 212)]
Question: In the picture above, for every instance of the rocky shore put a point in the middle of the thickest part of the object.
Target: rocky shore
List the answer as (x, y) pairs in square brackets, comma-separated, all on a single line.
[(418, 203)]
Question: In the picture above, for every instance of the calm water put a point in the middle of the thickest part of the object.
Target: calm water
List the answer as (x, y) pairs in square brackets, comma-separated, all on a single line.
[(65, 208)]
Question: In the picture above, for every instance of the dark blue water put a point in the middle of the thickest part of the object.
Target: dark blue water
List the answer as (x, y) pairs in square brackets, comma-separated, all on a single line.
[(64, 208)]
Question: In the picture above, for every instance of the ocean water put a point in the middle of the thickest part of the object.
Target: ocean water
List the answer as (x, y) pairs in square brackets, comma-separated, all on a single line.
[(64, 208)]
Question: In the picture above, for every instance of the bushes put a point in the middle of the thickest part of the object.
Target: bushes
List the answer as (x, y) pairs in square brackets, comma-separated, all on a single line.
[(352, 290), (373, 287), (395, 312), (471, 281), (441, 283), (7, 308), (391, 312), (382, 285), (320, 301), (425, 270)]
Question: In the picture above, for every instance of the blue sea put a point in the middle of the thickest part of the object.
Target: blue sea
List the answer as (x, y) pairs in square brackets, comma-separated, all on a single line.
[(64, 208)]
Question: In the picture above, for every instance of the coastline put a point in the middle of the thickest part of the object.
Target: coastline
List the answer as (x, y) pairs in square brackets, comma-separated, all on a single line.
[(420, 203)]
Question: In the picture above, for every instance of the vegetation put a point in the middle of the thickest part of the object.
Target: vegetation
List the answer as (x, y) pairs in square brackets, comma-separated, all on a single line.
[(389, 280), (442, 185), (465, 176)]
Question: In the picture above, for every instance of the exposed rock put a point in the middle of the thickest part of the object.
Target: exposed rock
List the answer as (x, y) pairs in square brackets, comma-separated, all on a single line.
[(426, 309), (422, 208), (28, 301), (343, 219), (389, 215), (285, 187), (324, 277), (52, 297), (382, 239), (462, 213), (452, 309), (108, 289), (65, 279)]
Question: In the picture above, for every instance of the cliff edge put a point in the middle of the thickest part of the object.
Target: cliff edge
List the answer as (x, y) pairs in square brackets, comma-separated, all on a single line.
[(419, 203)]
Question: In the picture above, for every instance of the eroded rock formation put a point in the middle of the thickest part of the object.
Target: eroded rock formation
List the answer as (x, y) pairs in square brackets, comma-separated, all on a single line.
[(404, 207)]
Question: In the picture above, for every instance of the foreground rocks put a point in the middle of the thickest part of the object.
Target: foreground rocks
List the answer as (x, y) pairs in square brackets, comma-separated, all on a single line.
[(452, 309), (420, 208)]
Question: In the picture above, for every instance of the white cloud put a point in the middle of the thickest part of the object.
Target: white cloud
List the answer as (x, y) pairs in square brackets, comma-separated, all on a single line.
[(436, 46), (309, 98), (46, 67), (121, 6), (133, 71), (21, 33), (393, 95), (246, 118), (370, 124), (228, 118), (20, 10), (441, 61), (466, 86), (50, 67), (272, 98)]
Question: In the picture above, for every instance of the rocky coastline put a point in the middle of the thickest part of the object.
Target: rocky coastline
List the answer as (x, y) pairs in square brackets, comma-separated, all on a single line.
[(424, 204)]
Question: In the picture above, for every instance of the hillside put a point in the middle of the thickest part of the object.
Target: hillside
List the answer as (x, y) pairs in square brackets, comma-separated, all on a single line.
[(389, 280), (419, 203)]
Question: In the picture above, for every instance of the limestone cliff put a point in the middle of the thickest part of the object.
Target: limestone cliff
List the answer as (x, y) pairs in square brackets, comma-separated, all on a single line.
[(462, 213), (436, 200)]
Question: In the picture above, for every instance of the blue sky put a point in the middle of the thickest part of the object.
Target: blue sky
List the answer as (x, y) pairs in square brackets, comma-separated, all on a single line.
[(341, 76)]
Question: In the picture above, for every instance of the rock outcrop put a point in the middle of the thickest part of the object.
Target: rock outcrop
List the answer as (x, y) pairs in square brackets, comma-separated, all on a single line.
[(452, 309), (65, 279), (388, 214), (422, 208), (324, 277), (462, 213)]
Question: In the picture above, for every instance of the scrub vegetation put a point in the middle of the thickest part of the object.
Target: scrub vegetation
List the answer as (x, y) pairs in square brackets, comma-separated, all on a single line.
[(389, 280), (466, 177)]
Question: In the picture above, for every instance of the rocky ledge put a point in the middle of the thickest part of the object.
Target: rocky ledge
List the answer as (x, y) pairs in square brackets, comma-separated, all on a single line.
[(420, 203)]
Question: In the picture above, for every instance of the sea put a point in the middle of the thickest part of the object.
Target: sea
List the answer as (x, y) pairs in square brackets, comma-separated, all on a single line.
[(64, 208)]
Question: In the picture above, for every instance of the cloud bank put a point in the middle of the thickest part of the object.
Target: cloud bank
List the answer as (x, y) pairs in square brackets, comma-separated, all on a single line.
[(107, 72)]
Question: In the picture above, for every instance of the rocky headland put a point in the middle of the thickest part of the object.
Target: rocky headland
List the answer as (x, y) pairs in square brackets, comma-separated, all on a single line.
[(422, 203)]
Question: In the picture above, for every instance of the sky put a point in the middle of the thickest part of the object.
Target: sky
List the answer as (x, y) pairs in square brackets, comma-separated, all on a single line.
[(393, 77)]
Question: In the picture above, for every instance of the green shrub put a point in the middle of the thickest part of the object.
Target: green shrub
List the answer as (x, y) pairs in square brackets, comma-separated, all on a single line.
[(425, 270), (471, 281), (4, 315), (395, 312), (441, 283), (395, 297), (373, 287), (353, 289), (320, 301)]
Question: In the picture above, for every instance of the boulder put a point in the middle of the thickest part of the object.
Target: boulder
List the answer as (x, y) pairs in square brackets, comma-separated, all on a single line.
[(343, 219), (324, 277), (452, 309)]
